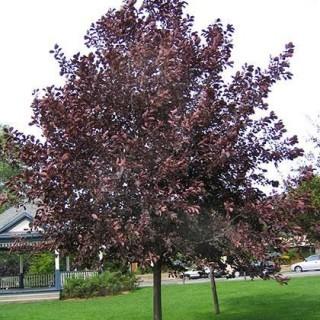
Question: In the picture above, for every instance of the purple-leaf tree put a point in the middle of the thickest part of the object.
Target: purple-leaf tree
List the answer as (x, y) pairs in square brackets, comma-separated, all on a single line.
[(145, 135)]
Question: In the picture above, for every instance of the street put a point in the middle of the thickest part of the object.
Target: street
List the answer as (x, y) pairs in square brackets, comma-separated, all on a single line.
[(147, 282)]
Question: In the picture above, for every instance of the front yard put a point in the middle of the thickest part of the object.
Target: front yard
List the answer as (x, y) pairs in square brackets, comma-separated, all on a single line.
[(240, 300)]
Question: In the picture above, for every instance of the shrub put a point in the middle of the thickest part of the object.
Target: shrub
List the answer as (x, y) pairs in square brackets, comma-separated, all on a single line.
[(291, 256), (41, 263), (106, 283)]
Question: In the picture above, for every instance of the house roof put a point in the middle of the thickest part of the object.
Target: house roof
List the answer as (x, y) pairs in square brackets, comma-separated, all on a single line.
[(17, 216), (14, 215)]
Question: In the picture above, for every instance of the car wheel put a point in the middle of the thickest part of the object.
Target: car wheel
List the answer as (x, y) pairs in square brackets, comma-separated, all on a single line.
[(298, 269)]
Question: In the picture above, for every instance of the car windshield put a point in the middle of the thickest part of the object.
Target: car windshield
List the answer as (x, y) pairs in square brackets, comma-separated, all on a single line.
[(312, 258)]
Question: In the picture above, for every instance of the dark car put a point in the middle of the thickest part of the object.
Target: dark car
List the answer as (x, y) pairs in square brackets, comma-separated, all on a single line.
[(270, 267)]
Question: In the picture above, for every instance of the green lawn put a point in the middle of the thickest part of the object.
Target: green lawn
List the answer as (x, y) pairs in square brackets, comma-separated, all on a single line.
[(241, 300)]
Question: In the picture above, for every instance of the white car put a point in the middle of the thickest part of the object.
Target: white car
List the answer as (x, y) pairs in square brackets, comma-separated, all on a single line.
[(191, 274), (196, 273), (310, 263)]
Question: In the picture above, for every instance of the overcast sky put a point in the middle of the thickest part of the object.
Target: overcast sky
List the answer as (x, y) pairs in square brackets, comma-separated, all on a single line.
[(29, 29)]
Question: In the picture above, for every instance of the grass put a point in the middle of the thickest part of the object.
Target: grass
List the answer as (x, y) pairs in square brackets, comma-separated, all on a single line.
[(240, 300)]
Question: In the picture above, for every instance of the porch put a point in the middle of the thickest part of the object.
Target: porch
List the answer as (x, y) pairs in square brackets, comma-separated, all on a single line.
[(21, 285), (38, 286)]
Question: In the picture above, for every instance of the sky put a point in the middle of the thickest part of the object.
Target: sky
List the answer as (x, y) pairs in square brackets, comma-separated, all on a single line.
[(29, 30)]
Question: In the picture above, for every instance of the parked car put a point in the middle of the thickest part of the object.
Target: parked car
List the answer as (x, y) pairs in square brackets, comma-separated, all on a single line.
[(262, 269), (270, 267), (190, 274), (204, 273), (310, 263), (201, 273)]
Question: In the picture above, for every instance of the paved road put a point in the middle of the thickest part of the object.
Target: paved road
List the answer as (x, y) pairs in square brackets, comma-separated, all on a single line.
[(302, 274), (148, 283)]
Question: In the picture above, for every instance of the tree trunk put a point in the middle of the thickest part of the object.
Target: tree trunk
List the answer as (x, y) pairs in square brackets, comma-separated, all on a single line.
[(157, 308), (215, 300)]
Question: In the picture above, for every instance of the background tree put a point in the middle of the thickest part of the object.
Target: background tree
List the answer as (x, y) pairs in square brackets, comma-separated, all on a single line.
[(9, 264), (145, 139), (41, 263), (7, 170), (309, 221)]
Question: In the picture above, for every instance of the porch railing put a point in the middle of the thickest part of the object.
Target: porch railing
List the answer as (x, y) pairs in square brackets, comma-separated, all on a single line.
[(42, 280), (9, 282), (38, 280), (29, 281)]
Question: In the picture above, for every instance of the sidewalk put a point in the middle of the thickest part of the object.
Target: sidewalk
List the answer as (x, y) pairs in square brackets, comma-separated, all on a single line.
[(148, 277)]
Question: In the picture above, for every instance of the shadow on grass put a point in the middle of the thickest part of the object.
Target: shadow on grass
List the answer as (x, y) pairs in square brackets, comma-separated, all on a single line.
[(261, 307)]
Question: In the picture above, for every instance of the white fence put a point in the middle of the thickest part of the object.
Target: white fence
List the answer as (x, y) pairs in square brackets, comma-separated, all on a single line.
[(38, 280), (42, 280), (76, 275), (9, 282), (29, 281)]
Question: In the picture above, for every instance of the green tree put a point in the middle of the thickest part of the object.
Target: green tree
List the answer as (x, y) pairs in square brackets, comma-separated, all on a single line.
[(7, 170), (9, 264), (41, 263), (310, 221)]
